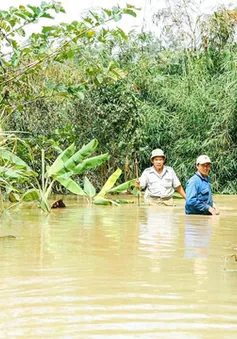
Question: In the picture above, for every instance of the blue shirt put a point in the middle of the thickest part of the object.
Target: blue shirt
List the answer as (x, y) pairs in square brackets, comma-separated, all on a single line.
[(198, 195)]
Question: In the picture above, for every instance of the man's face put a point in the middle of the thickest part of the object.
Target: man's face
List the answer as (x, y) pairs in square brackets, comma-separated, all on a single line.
[(204, 169), (158, 163)]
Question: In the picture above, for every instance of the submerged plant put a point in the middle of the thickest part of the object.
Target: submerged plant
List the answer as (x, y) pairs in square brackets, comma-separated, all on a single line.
[(99, 199), (68, 164), (13, 170)]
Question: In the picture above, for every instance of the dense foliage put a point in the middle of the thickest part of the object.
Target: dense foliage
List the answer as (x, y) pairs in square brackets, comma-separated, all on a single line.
[(134, 94)]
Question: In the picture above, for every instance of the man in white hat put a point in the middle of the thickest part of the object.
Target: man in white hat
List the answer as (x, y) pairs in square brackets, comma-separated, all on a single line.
[(198, 190), (160, 181)]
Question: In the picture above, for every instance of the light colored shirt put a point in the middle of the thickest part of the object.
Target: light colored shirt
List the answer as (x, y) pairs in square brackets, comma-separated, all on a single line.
[(159, 185)]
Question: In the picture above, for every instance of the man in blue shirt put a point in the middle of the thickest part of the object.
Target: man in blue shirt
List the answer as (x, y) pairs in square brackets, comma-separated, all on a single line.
[(198, 190)]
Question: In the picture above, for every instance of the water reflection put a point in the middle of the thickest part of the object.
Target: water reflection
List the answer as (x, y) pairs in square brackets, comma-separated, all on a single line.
[(198, 232), (198, 235), (158, 234)]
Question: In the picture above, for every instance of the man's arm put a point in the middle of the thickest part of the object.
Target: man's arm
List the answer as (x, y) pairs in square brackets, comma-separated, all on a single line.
[(177, 185), (180, 190), (141, 182)]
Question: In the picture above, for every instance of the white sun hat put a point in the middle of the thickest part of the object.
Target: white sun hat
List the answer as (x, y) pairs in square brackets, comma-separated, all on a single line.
[(203, 159), (157, 153)]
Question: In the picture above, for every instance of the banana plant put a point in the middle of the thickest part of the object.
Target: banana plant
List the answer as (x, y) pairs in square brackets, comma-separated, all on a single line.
[(13, 172), (100, 199), (68, 164)]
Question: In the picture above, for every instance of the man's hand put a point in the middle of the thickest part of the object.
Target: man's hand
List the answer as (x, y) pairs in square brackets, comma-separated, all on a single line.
[(137, 184), (213, 210), (216, 208)]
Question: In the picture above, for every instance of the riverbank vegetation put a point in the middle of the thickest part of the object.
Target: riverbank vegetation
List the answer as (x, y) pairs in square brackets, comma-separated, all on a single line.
[(72, 83)]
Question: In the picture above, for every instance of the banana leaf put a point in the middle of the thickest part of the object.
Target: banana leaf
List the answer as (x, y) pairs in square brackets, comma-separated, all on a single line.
[(9, 188), (3, 182), (89, 189), (123, 187), (109, 184), (61, 160), (79, 156), (17, 172), (90, 163), (8, 172), (70, 184), (177, 196), (13, 158), (124, 201), (31, 195), (68, 160), (105, 202)]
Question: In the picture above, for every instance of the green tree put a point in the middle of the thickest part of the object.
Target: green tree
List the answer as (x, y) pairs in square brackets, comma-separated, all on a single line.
[(26, 69)]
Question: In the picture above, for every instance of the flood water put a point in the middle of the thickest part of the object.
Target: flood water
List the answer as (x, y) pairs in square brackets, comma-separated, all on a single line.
[(119, 272)]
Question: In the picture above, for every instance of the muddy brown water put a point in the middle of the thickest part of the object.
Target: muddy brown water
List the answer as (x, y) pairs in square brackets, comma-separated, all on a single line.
[(118, 272)]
